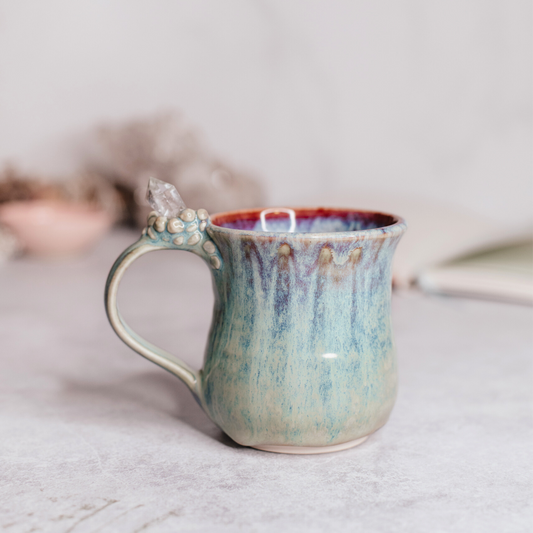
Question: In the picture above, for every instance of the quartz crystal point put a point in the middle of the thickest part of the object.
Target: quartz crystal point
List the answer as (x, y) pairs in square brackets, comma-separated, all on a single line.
[(164, 198)]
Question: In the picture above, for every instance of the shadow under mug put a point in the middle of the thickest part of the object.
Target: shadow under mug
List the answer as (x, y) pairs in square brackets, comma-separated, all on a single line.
[(300, 355)]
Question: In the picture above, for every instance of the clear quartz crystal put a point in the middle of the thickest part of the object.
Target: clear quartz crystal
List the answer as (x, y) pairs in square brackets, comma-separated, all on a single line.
[(164, 198)]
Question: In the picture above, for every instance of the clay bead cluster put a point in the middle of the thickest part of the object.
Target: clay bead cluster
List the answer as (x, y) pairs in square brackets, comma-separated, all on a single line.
[(191, 232)]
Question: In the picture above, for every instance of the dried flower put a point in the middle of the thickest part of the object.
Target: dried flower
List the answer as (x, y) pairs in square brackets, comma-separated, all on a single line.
[(167, 147), (87, 188)]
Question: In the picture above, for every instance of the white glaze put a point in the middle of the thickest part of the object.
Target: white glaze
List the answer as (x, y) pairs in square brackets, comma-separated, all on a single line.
[(209, 247), (175, 225), (202, 214), (160, 224), (187, 215), (194, 239)]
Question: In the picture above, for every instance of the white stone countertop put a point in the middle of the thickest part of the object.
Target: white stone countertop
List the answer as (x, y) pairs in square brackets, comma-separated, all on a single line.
[(95, 438)]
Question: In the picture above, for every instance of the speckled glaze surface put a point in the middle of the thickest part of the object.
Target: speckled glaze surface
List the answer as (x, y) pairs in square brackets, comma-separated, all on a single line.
[(300, 351)]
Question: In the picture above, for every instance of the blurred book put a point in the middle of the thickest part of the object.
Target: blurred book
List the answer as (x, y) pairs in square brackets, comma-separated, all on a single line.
[(501, 273)]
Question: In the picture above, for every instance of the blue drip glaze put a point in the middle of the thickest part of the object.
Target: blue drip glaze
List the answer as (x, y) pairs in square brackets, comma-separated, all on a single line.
[(283, 301)]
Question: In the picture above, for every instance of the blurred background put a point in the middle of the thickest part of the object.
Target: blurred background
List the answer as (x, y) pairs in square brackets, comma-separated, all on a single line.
[(423, 108)]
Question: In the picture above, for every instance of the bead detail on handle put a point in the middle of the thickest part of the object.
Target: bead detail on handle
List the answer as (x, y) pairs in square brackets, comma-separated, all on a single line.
[(191, 228), (194, 239), (209, 247), (187, 215), (160, 224), (175, 225)]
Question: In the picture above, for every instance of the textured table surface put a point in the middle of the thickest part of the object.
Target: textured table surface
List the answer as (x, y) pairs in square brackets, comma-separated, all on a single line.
[(95, 438)]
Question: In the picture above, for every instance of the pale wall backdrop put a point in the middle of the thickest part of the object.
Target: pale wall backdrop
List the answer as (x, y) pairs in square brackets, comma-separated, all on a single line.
[(429, 98)]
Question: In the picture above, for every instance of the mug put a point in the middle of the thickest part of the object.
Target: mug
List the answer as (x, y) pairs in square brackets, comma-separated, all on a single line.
[(300, 355)]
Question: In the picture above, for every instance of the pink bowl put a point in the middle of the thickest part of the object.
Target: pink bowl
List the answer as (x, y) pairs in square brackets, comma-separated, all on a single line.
[(51, 228)]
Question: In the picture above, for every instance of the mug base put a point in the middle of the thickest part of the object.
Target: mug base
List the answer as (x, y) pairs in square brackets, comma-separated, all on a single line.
[(309, 450)]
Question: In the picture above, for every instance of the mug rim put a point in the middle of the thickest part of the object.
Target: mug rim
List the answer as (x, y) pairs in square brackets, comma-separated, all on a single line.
[(397, 227)]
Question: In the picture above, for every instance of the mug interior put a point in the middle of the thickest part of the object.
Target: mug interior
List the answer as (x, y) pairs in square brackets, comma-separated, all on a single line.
[(308, 220)]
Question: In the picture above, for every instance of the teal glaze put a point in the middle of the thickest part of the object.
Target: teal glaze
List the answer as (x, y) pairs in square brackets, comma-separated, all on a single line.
[(300, 350)]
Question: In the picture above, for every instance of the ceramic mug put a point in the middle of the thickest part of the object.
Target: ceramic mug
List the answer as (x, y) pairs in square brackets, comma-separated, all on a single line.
[(300, 356)]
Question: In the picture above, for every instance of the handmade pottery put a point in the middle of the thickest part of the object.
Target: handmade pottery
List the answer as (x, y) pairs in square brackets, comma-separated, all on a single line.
[(300, 355)]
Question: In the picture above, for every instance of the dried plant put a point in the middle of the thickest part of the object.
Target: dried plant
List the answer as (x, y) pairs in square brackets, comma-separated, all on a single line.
[(87, 188), (167, 147)]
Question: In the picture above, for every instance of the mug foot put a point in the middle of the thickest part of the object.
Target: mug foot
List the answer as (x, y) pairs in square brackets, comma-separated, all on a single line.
[(308, 450)]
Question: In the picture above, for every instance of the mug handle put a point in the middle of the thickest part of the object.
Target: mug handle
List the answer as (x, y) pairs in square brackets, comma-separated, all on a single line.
[(189, 233)]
